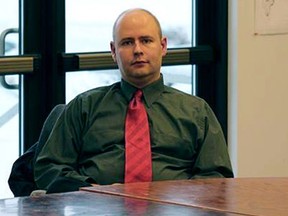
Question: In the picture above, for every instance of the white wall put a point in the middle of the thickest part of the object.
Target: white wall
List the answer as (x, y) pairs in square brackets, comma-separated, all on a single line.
[(258, 96)]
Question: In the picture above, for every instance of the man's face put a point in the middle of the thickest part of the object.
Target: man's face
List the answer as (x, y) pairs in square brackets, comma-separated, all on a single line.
[(138, 48)]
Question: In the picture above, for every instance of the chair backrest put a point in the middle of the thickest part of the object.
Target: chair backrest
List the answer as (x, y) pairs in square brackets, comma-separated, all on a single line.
[(21, 179)]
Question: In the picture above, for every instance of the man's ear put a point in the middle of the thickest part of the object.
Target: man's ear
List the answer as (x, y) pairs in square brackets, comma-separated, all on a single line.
[(113, 53), (164, 46)]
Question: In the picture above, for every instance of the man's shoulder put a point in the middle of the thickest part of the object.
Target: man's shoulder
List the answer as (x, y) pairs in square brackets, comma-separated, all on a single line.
[(179, 95), (100, 91), (187, 102)]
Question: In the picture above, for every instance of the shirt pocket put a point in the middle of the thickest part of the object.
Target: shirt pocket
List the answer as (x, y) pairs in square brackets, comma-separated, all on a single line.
[(102, 141), (173, 146)]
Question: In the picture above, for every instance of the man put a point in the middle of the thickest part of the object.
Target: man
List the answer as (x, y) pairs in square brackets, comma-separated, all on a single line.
[(87, 144)]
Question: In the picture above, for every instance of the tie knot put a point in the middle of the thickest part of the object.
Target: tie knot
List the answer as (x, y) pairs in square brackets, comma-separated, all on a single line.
[(138, 95)]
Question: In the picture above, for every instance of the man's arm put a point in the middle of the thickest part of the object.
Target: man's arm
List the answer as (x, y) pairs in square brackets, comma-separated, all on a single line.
[(56, 168), (213, 159)]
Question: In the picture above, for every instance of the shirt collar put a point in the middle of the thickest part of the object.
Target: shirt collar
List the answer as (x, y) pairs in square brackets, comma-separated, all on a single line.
[(150, 92)]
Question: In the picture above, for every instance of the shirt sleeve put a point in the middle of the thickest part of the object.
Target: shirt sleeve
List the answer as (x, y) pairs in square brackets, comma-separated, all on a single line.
[(58, 157), (212, 159)]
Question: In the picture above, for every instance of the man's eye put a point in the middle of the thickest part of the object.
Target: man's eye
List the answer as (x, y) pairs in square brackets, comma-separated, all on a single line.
[(146, 41), (126, 43)]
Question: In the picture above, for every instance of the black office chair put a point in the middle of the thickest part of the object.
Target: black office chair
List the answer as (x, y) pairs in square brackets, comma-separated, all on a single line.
[(21, 179)]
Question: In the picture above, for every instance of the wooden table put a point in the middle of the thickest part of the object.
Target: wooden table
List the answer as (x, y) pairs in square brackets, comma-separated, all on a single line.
[(82, 203), (246, 196)]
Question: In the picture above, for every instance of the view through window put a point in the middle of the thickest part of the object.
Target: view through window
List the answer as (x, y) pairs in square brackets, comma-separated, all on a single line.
[(9, 94)]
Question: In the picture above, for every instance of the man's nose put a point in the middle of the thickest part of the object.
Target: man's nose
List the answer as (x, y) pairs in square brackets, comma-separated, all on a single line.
[(138, 48)]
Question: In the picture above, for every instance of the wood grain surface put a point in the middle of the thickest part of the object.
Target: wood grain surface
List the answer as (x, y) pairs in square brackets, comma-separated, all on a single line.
[(248, 196)]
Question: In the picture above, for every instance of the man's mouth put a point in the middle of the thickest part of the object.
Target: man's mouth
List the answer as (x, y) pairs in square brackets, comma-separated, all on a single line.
[(139, 62)]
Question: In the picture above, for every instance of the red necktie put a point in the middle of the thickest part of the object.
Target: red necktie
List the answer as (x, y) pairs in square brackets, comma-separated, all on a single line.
[(138, 165)]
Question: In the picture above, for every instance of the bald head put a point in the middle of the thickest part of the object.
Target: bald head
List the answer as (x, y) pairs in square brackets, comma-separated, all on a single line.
[(135, 11)]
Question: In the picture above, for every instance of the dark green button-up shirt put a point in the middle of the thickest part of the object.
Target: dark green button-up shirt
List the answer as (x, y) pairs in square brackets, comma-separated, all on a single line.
[(87, 141)]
